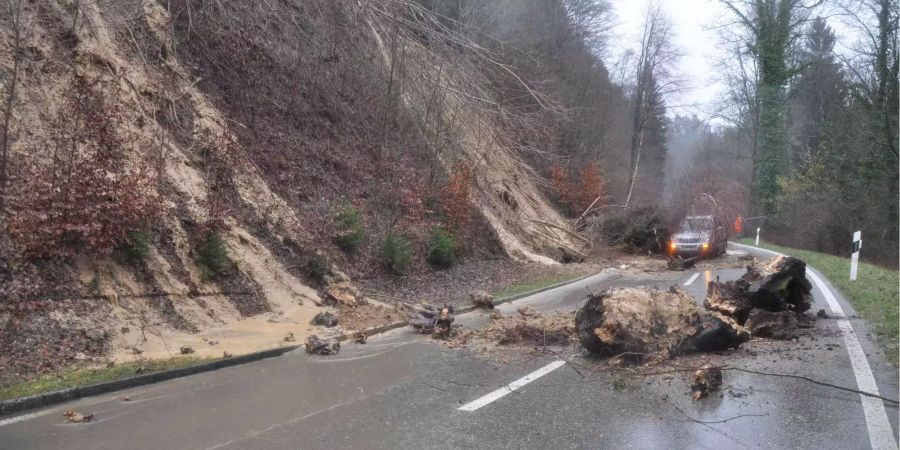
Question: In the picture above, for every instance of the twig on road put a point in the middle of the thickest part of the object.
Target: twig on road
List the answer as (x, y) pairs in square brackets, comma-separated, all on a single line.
[(821, 383), (707, 422)]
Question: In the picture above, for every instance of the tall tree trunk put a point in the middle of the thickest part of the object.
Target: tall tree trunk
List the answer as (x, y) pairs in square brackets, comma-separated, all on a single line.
[(15, 11)]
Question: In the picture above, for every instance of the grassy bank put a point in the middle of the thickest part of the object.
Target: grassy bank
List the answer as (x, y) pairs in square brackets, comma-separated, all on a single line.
[(84, 376), (874, 294), (537, 283)]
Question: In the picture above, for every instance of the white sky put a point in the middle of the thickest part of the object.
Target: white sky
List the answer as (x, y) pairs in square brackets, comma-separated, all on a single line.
[(699, 44)]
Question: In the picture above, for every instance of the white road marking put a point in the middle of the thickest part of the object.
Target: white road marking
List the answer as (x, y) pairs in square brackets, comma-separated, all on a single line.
[(880, 434), (24, 417), (509, 388), (691, 279)]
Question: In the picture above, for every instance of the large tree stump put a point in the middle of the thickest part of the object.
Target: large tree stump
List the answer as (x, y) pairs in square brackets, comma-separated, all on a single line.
[(779, 285), (648, 322)]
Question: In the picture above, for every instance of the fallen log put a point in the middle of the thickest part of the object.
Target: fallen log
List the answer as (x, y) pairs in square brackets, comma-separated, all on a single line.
[(731, 299), (646, 322)]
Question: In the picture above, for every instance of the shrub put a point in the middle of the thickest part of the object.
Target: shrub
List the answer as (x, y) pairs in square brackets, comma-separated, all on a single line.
[(86, 197), (318, 268), (212, 256), (590, 187), (639, 230), (350, 231), (575, 195), (441, 249), (456, 198), (137, 246), (396, 253)]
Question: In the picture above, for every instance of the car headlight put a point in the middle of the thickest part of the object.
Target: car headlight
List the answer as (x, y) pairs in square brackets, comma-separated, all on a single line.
[(704, 246), (673, 245)]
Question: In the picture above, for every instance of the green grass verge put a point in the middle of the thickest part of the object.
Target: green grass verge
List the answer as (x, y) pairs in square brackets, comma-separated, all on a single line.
[(537, 283), (73, 377), (874, 294)]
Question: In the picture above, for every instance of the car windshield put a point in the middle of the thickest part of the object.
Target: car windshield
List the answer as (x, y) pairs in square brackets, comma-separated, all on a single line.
[(696, 224)]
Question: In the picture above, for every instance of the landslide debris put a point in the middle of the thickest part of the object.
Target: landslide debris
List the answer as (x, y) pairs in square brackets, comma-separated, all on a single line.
[(768, 300), (705, 380), (531, 331), (318, 346), (77, 417), (429, 319), (482, 299), (645, 323), (325, 319)]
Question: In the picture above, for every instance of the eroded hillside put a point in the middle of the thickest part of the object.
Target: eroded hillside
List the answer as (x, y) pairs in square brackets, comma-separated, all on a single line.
[(206, 129)]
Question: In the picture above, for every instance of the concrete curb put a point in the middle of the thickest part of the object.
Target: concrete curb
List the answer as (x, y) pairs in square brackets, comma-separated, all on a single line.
[(50, 398), (74, 393)]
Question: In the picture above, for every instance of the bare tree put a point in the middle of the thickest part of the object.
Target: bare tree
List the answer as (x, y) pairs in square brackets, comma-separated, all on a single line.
[(592, 21), (652, 77)]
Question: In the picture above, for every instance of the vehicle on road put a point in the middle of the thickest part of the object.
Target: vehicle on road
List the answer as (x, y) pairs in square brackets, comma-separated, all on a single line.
[(705, 236)]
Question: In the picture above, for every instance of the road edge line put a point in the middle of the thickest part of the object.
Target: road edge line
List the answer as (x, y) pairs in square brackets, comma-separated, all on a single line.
[(881, 435)]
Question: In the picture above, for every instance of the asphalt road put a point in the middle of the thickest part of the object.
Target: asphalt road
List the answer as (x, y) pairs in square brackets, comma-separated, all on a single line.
[(402, 390)]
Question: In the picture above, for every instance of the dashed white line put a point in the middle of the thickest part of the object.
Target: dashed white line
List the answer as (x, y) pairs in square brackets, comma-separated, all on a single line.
[(880, 434), (509, 388), (691, 279)]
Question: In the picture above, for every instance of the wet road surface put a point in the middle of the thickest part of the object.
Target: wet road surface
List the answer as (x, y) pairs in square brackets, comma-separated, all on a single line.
[(402, 390)]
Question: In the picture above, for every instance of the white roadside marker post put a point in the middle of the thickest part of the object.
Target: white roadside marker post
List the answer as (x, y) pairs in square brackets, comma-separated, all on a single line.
[(757, 237), (854, 258)]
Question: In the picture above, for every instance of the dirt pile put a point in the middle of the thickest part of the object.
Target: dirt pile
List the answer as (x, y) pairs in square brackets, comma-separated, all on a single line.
[(366, 316), (649, 324)]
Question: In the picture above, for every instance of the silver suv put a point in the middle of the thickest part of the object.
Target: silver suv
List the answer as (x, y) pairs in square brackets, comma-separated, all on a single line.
[(699, 235)]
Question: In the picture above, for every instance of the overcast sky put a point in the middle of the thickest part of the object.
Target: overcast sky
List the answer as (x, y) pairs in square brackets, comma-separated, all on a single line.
[(693, 22)]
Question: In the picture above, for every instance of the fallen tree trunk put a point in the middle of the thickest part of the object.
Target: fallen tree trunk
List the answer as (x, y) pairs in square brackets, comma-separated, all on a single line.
[(783, 287), (780, 285), (731, 298), (644, 322)]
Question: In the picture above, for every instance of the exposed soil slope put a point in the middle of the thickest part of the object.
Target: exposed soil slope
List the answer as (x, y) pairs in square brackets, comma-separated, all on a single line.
[(274, 112)]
